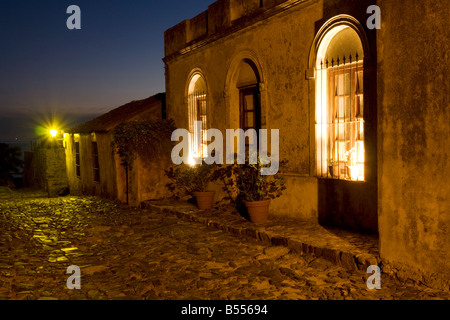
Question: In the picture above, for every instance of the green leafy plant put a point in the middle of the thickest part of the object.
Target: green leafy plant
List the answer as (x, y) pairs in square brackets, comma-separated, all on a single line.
[(186, 179), (145, 138), (245, 181)]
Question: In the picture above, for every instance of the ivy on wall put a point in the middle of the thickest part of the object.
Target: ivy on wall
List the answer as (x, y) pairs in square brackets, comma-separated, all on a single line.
[(147, 138)]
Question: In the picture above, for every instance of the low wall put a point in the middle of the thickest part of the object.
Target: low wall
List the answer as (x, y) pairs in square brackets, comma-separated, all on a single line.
[(48, 170)]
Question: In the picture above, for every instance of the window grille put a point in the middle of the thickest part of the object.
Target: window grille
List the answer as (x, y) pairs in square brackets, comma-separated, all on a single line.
[(197, 112), (340, 119)]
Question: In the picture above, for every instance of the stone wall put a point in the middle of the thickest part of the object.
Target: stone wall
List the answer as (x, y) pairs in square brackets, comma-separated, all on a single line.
[(48, 170), (414, 140)]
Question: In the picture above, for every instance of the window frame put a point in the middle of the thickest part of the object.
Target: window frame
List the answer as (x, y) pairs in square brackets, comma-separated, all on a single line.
[(351, 120), (251, 90), (344, 139), (197, 106)]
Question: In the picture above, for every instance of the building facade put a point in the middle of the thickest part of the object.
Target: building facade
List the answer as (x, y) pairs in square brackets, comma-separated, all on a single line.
[(361, 112), (95, 168)]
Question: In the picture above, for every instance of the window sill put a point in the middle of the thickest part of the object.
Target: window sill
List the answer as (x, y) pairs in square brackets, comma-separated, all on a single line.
[(344, 180)]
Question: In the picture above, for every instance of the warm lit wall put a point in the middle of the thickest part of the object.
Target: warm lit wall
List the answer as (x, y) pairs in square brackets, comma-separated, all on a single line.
[(85, 184), (88, 185), (414, 140), (73, 181), (108, 179), (147, 180)]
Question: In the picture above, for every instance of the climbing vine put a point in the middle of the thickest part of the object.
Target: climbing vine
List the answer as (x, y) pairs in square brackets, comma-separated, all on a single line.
[(146, 138)]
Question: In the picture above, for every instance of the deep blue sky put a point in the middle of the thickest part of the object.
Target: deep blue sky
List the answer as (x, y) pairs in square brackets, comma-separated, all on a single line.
[(47, 69)]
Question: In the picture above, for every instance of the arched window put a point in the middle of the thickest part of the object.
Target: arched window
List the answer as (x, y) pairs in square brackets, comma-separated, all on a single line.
[(249, 98), (197, 102), (340, 152)]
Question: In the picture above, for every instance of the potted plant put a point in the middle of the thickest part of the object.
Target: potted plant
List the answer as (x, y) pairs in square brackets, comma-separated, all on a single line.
[(252, 189), (192, 181), (333, 167)]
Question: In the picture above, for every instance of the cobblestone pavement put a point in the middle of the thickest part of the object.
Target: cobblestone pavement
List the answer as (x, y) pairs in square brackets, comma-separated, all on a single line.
[(127, 253)]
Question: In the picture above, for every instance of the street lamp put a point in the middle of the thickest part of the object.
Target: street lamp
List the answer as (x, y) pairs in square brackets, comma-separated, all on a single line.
[(53, 132)]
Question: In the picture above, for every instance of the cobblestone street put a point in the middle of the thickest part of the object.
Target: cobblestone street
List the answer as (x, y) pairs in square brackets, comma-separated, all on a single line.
[(127, 253)]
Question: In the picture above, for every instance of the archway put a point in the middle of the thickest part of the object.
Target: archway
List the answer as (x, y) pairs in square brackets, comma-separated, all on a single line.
[(197, 98), (340, 152), (344, 126), (245, 92)]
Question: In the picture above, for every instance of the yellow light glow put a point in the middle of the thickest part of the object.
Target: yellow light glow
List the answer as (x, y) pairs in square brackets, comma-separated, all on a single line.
[(192, 161), (53, 132), (354, 172)]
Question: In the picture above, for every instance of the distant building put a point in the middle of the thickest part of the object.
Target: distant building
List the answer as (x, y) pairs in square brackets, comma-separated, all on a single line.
[(363, 113), (93, 167)]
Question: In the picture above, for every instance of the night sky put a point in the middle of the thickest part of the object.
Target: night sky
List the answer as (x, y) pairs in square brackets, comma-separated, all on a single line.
[(48, 71)]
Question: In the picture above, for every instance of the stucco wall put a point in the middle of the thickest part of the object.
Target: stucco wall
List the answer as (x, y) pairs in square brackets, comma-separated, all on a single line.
[(108, 169), (147, 180), (414, 140), (85, 184), (73, 181)]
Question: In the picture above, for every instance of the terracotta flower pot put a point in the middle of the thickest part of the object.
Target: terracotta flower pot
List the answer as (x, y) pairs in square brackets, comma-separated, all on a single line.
[(205, 199), (258, 211)]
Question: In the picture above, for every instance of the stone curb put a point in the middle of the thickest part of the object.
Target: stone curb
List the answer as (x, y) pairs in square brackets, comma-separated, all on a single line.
[(347, 260)]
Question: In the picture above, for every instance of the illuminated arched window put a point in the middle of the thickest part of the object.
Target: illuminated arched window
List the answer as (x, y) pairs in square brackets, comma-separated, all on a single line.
[(197, 102), (340, 151)]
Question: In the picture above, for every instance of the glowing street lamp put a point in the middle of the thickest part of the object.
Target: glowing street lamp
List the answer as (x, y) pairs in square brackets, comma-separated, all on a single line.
[(53, 132)]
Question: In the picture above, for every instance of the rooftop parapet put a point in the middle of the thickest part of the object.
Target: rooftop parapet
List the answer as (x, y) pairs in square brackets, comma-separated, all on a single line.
[(221, 15)]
